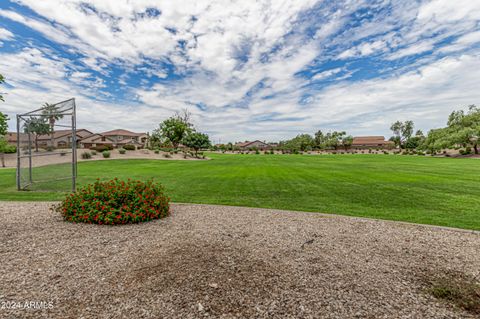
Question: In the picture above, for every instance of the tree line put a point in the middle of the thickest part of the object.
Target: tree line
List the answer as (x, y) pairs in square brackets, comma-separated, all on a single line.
[(306, 142)]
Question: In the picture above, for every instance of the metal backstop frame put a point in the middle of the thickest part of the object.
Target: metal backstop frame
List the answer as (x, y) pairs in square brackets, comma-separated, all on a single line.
[(27, 133)]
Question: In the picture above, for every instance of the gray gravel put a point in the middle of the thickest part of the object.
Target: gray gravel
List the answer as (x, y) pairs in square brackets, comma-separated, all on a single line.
[(226, 262)]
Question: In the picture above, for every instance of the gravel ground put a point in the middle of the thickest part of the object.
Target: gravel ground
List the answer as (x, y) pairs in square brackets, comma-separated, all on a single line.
[(226, 262)]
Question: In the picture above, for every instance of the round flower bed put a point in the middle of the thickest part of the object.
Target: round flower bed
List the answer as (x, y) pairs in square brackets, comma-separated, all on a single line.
[(116, 202)]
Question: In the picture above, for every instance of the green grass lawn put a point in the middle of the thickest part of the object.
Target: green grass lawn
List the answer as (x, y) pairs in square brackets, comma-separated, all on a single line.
[(439, 191)]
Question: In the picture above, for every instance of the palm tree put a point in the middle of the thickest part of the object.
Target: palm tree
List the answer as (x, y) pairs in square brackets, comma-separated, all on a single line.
[(51, 112)]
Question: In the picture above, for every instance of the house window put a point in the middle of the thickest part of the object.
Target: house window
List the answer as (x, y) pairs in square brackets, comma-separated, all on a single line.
[(103, 138), (119, 138)]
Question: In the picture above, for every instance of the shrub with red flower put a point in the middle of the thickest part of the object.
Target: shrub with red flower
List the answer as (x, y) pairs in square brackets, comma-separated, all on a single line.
[(116, 202)]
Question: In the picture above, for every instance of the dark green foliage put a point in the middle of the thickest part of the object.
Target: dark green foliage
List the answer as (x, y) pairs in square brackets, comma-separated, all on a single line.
[(86, 155), (101, 148), (197, 141), (129, 147), (106, 154), (122, 151), (116, 202)]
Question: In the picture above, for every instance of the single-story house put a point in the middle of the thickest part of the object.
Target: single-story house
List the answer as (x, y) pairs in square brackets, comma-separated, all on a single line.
[(61, 138), (372, 142), (248, 145)]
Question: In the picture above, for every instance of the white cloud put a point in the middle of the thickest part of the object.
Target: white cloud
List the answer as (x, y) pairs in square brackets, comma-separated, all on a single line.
[(238, 63), (5, 34)]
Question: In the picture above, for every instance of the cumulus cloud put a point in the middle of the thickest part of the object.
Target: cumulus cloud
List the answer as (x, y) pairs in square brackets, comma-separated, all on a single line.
[(244, 69)]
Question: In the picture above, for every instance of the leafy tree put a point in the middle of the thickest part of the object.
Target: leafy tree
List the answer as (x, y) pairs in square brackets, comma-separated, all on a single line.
[(302, 142), (36, 126), (196, 141), (334, 139), (3, 124), (347, 142), (319, 139), (3, 139), (53, 114), (174, 129), (402, 131), (463, 129), (2, 80)]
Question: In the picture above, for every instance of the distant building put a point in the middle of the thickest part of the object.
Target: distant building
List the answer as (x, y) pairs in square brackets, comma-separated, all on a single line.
[(115, 138), (372, 142), (61, 138), (247, 145), (122, 137)]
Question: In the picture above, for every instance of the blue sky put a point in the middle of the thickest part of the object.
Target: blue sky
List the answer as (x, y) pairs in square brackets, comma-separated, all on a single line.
[(245, 69)]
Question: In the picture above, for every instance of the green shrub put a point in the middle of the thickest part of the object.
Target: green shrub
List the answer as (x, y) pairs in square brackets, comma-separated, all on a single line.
[(94, 152), (86, 155), (50, 148), (106, 154), (10, 149), (129, 147), (167, 155), (122, 151), (462, 152), (468, 150), (257, 152), (385, 152), (102, 148), (156, 151), (116, 202)]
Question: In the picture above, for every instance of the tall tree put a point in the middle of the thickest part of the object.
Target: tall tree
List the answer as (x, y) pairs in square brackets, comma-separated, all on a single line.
[(36, 126), (53, 114), (196, 141), (319, 139), (347, 142), (463, 128), (3, 138), (334, 139), (2, 80), (402, 131), (3, 124), (174, 128)]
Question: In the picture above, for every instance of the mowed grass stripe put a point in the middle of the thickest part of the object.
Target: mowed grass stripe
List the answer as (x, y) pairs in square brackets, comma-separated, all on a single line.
[(440, 191)]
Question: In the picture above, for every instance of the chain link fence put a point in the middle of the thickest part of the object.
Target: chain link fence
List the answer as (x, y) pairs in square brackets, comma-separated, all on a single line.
[(47, 148)]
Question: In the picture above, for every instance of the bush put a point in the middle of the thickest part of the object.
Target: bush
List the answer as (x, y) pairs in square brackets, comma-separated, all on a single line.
[(49, 148), (156, 151), (385, 152), (257, 152), (102, 148), (116, 202), (168, 155), (9, 149), (106, 154), (94, 152), (129, 147), (468, 150), (86, 155), (462, 152), (122, 151)]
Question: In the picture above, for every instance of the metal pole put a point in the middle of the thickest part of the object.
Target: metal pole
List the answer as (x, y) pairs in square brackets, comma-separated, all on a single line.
[(18, 153), (74, 148), (30, 157)]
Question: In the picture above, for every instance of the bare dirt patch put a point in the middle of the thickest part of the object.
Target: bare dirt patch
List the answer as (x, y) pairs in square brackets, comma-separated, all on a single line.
[(228, 262)]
